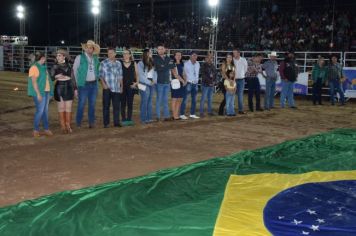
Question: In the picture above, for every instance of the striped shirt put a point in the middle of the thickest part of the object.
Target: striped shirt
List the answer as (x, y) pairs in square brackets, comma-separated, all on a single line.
[(111, 73)]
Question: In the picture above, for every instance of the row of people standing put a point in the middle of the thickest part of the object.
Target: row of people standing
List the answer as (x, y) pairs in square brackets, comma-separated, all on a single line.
[(121, 80), (239, 72), (158, 74)]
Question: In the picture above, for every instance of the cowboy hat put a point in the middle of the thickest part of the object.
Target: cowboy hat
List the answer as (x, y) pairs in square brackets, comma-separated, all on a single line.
[(272, 54), (91, 43)]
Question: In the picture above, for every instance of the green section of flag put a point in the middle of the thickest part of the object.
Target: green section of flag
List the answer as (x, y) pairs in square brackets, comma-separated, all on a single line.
[(182, 201)]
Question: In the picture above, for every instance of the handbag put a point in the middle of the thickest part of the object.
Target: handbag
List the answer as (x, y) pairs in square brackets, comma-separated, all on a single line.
[(175, 84)]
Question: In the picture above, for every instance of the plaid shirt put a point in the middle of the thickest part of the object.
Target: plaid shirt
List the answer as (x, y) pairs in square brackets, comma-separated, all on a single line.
[(253, 69), (111, 73), (335, 72)]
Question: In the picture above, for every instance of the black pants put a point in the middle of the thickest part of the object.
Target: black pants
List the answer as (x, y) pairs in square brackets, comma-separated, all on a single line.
[(222, 104), (127, 98), (317, 86), (109, 97), (254, 88)]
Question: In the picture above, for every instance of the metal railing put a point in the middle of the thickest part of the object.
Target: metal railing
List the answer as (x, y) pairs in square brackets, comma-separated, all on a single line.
[(19, 58)]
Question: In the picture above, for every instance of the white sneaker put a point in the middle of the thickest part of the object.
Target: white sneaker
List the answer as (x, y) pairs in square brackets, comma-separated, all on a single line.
[(183, 117), (194, 116)]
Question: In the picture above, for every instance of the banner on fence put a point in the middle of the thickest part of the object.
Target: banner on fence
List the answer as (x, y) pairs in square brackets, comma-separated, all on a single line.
[(300, 86), (1, 58), (350, 82)]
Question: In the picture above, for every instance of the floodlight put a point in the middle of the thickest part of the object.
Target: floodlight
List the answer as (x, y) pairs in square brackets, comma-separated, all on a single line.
[(20, 15), (95, 10), (95, 3), (20, 8), (213, 3)]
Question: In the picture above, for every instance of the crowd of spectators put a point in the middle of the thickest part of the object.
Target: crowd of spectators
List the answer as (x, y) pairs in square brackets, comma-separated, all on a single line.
[(269, 29)]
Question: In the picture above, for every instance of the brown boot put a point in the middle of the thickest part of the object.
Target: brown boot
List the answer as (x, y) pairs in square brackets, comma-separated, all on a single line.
[(62, 120), (68, 122)]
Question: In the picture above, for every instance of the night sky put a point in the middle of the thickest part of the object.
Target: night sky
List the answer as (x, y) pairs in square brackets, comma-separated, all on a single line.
[(47, 21)]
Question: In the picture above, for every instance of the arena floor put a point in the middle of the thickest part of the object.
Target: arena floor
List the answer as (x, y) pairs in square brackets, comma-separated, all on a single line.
[(30, 167)]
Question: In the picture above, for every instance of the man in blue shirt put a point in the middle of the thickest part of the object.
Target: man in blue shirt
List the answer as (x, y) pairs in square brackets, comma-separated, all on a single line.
[(191, 72), (111, 80), (163, 66)]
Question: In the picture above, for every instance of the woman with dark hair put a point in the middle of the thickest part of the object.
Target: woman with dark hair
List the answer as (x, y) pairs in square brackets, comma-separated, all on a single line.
[(64, 90), (40, 87), (179, 93), (130, 82), (227, 65), (145, 73)]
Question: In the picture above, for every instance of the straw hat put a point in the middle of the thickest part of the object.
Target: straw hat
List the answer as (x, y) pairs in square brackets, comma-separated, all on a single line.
[(91, 43), (272, 54)]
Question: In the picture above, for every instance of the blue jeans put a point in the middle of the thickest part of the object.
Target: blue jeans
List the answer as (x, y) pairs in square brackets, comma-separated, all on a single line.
[(41, 112), (162, 100), (207, 92), (146, 104), (230, 103), (191, 89), (88, 92), (240, 83), (287, 93), (269, 93), (336, 87)]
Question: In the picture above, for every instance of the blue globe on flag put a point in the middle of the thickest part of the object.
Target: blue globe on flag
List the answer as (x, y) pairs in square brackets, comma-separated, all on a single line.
[(325, 209)]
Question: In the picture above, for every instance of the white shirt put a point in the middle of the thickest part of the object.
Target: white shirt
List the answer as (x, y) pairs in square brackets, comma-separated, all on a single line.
[(192, 71), (91, 72), (240, 68)]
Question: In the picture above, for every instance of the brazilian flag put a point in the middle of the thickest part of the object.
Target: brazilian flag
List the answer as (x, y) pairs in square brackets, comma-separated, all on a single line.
[(300, 187)]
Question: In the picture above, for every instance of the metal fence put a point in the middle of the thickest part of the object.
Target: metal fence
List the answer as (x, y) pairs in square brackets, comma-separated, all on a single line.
[(19, 58)]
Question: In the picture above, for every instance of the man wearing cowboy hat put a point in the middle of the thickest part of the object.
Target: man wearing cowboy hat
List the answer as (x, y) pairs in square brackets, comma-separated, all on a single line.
[(86, 72), (270, 68)]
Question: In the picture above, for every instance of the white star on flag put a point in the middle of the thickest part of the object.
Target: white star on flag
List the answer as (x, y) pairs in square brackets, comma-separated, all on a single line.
[(320, 221), (315, 227), (280, 217), (337, 214), (305, 233), (311, 212), (296, 222)]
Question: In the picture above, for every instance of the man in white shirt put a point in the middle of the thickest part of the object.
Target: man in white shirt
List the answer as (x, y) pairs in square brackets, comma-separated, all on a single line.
[(240, 71), (191, 73)]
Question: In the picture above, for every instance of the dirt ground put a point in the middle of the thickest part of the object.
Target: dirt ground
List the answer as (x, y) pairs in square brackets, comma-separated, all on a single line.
[(30, 168)]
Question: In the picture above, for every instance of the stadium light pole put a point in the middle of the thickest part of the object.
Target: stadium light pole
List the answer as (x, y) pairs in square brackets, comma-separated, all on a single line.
[(95, 10), (20, 14), (214, 5)]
